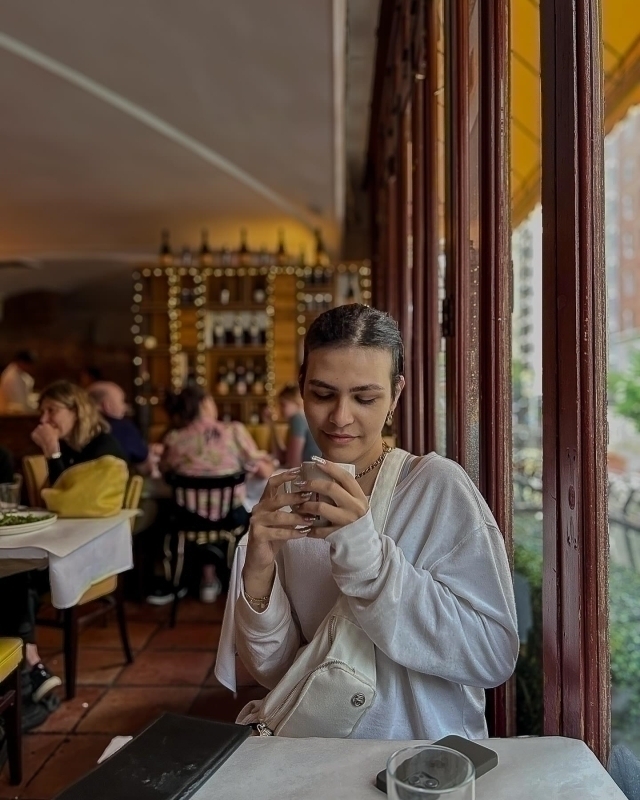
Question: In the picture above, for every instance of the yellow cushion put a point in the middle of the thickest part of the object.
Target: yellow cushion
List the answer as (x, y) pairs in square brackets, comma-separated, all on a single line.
[(93, 489), (10, 656), (100, 589)]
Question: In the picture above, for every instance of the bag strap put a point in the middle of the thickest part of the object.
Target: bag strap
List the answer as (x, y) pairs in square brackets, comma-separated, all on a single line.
[(380, 504), (385, 486)]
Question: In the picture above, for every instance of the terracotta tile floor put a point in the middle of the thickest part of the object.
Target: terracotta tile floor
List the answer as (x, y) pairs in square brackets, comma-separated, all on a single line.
[(173, 671)]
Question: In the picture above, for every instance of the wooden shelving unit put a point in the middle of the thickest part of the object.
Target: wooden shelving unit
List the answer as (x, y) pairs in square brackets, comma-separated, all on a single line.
[(236, 330)]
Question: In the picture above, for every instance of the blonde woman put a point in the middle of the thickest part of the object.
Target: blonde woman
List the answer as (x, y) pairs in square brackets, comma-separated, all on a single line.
[(71, 430)]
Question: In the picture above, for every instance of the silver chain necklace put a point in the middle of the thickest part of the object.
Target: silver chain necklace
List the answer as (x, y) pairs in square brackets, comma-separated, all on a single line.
[(385, 449)]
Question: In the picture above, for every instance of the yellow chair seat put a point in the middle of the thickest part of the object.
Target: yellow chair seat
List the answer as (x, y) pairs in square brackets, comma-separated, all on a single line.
[(10, 656), (100, 589)]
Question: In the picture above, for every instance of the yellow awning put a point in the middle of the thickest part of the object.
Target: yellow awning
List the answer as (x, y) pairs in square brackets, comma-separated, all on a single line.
[(621, 61)]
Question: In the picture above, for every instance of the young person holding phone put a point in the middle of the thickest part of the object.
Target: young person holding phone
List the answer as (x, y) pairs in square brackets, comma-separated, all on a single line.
[(433, 592)]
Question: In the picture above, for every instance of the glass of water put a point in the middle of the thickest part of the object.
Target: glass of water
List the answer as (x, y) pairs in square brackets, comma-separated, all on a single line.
[(427, 772), (9, 496)]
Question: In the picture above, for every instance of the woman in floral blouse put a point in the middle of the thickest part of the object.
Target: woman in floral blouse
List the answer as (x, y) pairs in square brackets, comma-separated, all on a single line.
[(202, 446)]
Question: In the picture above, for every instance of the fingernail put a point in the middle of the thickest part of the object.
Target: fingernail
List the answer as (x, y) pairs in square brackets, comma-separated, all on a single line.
[(294, 471), (299, 483), (304, 531), (306, 495), (318, 459), (309, 517)]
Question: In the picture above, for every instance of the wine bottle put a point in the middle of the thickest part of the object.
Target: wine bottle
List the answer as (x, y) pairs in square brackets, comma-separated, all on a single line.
[(238, 332), (225, 294), (258, 384), (264, 259), (302, 262), (281, 252), (322, 259), (244, 254), (185, 256), (225, 256), (222, 385), (166, 256), (254, 331), (259, 291), (251, 374), (205, 255), (351, 295), (254, 418), (219, 337), (226, 413), (241, 379), (231, 374)]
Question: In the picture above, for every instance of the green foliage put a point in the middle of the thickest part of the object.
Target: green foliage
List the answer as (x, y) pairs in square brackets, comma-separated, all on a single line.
[(624, 630), (624, 390)]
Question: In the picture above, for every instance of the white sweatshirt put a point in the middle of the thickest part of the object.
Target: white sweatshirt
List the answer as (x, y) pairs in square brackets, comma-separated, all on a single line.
[(434, 594)]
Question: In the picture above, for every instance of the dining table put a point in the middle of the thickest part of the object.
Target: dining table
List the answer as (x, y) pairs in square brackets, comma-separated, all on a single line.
[(277, 768), (78, 552)]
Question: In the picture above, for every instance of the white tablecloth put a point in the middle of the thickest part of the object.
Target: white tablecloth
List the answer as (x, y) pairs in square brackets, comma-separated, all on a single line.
[(268, 768), (78, 552)]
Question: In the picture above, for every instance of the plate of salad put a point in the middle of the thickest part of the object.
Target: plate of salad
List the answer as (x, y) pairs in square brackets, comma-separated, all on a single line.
[(27, 521)]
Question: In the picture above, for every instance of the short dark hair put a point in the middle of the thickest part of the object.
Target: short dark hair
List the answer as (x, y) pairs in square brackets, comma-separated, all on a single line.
[(26, 356), (356, 325), (183, 408), (290, 391)]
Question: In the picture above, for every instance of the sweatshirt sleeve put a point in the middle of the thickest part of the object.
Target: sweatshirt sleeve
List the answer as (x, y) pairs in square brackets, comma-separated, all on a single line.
[(454, 618), (267, 641)]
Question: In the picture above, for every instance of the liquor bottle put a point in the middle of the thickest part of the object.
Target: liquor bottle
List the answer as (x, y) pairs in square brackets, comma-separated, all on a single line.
[(186, 296), (222, 385), (241, 379), (302, 261), (225, 294), (226, 413), (244, 254), (322, 259), (254, 417), (205, 255), (259, 291), (262, 322), (254, 331), (251, 374), (166, 256), (327, 301), (231, 375), (281, 252), (238, 332)]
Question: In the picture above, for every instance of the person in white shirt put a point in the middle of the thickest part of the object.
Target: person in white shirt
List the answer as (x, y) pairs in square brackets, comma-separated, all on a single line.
[(16, 383), (433, 593)]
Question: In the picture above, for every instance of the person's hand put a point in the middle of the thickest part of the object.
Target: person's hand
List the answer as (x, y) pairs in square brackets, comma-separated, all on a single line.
[(270, 528), (344, 490), (46, 438)]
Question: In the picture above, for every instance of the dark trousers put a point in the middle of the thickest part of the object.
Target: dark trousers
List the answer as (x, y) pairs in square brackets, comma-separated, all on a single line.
[(18, 604)]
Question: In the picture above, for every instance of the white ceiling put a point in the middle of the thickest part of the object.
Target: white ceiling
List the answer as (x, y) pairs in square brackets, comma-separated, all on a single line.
[(222, 110)]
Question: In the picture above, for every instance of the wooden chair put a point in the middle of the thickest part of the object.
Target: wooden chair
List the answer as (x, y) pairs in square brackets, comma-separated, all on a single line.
[(11, 704), (109, 591), (187, 526)]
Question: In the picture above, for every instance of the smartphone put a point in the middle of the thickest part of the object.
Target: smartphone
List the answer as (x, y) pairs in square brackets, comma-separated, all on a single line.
[(481, 757)]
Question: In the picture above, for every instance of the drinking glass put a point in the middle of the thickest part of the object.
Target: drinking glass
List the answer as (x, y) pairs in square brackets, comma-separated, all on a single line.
[(427, 772), (9, 496)]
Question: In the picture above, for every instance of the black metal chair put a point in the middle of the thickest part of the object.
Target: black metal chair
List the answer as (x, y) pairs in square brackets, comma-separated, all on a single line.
[(216, 526)]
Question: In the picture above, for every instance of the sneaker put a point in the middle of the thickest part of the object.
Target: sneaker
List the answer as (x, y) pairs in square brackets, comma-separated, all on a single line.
[(164, 595), (42, 682), (209, 591), (33, 714)]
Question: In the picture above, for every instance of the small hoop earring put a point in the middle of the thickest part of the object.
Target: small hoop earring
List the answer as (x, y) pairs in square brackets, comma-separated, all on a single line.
[(389, 419)]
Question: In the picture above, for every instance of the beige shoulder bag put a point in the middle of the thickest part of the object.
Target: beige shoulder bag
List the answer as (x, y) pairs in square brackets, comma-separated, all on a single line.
[(332, 682)]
